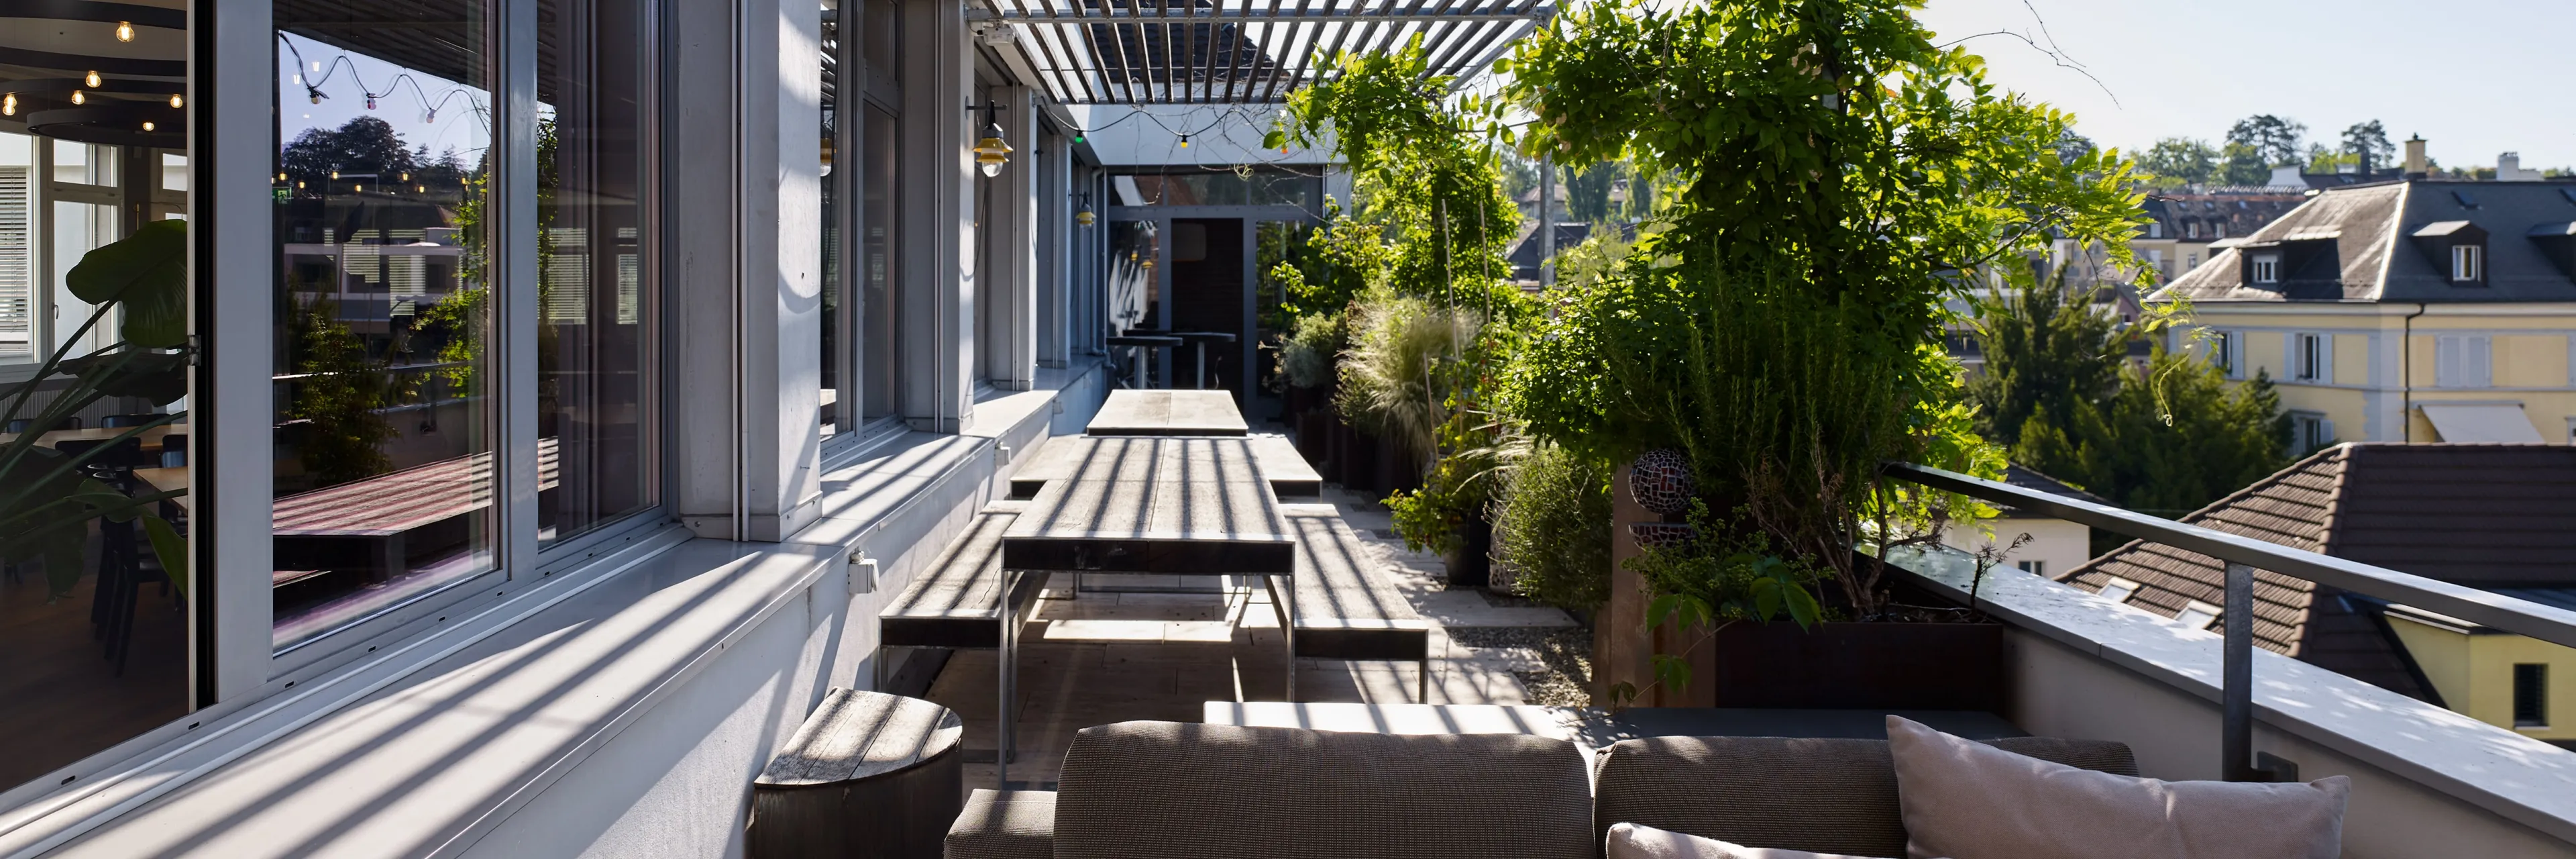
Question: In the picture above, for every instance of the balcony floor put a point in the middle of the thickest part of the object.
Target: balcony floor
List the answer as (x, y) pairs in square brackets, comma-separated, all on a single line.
[(1114, 657)]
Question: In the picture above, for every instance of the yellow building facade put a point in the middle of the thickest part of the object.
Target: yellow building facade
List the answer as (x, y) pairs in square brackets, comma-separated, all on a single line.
[(2364, 371), (2496, 677)]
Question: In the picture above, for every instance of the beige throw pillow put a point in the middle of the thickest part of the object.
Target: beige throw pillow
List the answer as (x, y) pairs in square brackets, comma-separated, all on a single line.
[(1969, 800), (1631, 841)]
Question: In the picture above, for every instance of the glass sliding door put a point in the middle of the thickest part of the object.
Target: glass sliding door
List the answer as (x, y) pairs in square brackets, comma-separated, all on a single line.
[(594, 308), (383, 380), (94, 601)]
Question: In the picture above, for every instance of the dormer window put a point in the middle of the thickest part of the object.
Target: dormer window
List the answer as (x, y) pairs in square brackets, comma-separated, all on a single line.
[(2267, 268), (2456, 247), (2464, 263)]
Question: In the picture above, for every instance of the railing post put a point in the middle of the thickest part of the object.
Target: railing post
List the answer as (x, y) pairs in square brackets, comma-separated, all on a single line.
[(2236, 741)]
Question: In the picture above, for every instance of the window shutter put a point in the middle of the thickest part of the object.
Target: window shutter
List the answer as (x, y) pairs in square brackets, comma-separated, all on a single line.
[(2446, 362), (2480, 372), (2325, 359)]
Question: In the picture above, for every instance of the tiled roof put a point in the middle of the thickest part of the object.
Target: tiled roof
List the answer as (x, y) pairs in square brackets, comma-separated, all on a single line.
[(2373, 255), (2477, 514)]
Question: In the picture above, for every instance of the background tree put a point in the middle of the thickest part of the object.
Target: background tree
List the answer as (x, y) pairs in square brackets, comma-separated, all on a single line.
[(2242, 164), (2370, 138), (2277, 141), (1587, 191), (2181, 160), (2049, 351)]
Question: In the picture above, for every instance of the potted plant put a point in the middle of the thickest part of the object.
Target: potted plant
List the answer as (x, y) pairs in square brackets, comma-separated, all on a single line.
[(48, 499), (1831, 179)]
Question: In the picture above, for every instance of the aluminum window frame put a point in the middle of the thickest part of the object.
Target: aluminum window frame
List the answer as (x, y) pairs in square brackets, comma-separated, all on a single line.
[(240, 622)]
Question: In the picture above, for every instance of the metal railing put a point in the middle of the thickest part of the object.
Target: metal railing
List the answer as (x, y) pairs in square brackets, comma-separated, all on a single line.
[(2242, 556)]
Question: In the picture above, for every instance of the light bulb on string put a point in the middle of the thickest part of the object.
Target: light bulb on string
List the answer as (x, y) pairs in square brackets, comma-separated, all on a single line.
[(91, 79), (147, 125), (371, 102), (9, 105), (176, 101), (77, 98), (125, 31), (431, 116), (1185, 141), (335, 174)]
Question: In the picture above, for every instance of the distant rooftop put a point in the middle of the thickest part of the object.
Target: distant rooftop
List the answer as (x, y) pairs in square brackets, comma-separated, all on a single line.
[(2371, 243)]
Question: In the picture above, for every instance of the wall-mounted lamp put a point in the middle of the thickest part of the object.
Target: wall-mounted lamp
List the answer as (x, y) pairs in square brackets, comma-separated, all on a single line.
[(1082, 210), (992, 151)]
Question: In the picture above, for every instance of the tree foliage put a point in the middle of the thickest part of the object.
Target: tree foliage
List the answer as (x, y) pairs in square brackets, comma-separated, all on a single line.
[(2059, 390), (2371, 139), (1831, 172), (2180, 161), (2275, 140)]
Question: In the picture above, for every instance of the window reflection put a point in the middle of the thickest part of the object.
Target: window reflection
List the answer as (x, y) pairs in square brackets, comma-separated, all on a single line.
[(833, 312), (593, 320), (878, 334), (385, 471)]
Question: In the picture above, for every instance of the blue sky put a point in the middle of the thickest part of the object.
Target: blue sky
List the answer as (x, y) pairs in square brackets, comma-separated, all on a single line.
[(2474, 77)]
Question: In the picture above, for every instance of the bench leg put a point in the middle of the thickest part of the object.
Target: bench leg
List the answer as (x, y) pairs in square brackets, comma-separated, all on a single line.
[(1004, 671), (1422, 675)]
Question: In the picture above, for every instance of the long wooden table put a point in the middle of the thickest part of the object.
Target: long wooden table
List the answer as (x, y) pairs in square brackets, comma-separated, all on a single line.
[(1156, 506), (151, 438), (1168, 413)]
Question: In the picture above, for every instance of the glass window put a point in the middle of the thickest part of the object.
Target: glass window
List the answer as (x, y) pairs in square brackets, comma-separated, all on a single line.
[(94, 611), (878, 333), (594, 316), (382, 391), (830, 218), (2464, 263), (2531, 695)]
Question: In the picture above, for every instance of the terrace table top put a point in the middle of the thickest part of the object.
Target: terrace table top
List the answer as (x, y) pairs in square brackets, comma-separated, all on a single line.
[(392, 503), (1168, 413), (1172, 506)]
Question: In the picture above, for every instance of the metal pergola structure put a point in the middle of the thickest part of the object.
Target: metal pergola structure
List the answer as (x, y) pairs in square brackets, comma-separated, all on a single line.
[(1238, 51)]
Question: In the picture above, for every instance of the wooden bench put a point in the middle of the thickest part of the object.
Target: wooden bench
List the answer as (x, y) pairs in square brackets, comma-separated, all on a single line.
[(1273, 456), (380, 515), (867, 774), (1346, 607), (956, 602)]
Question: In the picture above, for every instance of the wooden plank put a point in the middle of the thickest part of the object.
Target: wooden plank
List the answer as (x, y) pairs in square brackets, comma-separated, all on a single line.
[(1179, 506), (856, 735), (1346, 607), (1168, 413), (956, 600), (390, 504), (1274, 458)]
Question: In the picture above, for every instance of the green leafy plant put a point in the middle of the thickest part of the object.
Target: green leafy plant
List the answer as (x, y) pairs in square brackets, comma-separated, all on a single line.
[(1307, 354), (1831, 176), (1723, 573), (48, 499), (1552, 527)]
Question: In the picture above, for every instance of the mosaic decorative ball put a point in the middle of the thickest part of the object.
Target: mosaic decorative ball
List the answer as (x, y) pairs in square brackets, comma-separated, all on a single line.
[(1658, 535), (1661, 481)]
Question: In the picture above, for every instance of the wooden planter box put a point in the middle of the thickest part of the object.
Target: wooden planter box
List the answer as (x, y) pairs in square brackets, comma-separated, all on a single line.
[(1471, 565), (1908, 666)]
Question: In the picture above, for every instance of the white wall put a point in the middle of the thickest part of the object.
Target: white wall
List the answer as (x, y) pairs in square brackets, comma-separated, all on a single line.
[(2057, 543)]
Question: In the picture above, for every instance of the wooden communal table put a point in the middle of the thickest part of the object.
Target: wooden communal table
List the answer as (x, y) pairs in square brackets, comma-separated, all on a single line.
[(1168, 413), (151, 438), (1155, 506), (383, 510)]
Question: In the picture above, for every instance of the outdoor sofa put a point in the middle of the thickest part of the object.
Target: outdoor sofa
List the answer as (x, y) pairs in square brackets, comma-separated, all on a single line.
[(1146, 790)]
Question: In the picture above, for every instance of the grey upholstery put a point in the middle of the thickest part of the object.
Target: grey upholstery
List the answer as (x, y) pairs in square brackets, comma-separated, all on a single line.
[(1822, 795), (1146, 790), (1004, 825)]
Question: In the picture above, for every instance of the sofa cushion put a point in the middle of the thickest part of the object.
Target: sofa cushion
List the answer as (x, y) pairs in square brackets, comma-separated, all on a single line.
[(1013, 824), (1144, 790), (1630, 841), (1822, 795), (1963, 798)]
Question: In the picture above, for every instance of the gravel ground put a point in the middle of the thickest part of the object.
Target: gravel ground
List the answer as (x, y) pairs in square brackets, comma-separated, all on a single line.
[(1564, 675)]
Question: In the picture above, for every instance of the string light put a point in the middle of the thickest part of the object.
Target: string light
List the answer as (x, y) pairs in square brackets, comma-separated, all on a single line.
[(77, 98), (359, 188), (175, 101), (281, 177), (9, 105), (125, 31), (335, 174), (92, 80), (147, 125), (1185, 141)]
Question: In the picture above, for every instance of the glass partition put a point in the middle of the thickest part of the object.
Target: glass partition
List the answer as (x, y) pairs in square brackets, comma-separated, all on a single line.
[(834, 313), (593, 348), (383, 394), (95, 595)]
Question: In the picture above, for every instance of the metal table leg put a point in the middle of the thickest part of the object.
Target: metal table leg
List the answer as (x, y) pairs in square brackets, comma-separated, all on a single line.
[(1005, 673)]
